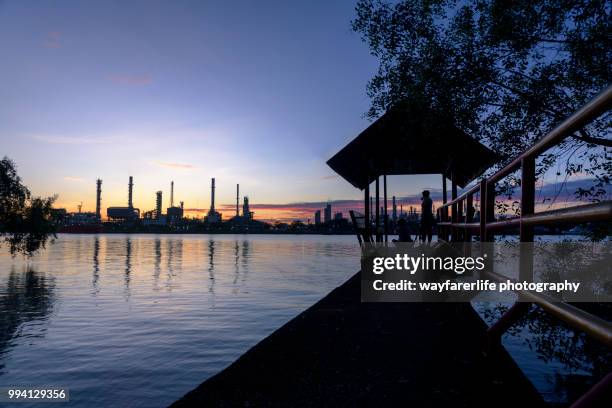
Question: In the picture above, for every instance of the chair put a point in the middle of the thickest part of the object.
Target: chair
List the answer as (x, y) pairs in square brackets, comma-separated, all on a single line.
[(359, 224)]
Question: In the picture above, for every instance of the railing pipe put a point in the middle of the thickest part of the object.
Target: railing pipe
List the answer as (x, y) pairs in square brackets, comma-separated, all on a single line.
[(582, 117), (594, 326)]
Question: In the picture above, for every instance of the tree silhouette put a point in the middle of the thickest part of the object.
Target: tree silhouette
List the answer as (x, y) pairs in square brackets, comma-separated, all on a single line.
[(506, 72), (25, 221)]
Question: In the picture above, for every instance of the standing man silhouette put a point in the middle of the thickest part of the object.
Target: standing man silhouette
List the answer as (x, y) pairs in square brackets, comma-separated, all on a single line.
[(427, 218)]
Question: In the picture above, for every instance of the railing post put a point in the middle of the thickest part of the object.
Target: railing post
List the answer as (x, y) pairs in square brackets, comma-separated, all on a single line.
[(455, 215), (520, 308), (385, 216), (507, 320), (483, 211), (444, 212), (460, 232), (598, 393), (439, 219), (377, 219), (527, 208), (469, 215), (366, 208), (527, 196), (490, 204), (487, 207)]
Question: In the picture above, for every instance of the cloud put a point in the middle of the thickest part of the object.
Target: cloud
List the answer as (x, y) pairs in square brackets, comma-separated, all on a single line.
[(131, 79), (53, 40), (68, 139), (73, 178), (171, 165)]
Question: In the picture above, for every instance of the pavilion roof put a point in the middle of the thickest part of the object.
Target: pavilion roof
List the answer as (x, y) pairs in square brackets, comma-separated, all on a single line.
[(403, 142)]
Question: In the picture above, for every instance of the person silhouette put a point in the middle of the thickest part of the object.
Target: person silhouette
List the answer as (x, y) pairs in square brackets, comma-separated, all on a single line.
[(403, 231), (427, 219)]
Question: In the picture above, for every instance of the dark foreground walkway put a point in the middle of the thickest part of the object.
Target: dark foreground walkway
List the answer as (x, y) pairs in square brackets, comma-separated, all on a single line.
[(341, 352)]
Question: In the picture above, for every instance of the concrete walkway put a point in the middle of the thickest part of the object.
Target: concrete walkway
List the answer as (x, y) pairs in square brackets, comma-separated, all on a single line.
[(341, 352)]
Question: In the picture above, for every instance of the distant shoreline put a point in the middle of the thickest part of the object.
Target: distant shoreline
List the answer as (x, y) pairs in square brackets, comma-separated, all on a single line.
[(202, 233)]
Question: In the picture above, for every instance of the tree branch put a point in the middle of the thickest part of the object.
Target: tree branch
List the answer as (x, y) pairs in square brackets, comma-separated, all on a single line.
[(592, 140)]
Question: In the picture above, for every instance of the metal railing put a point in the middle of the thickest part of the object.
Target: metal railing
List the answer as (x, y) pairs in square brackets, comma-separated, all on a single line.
[(460, 226)]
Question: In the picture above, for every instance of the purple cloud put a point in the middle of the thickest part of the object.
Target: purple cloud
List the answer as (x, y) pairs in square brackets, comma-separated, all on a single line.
[(131, 79), (53, 39)]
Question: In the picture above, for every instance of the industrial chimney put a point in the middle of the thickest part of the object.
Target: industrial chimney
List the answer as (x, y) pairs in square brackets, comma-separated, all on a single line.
[(212, 196), (394, 216), (158, 205), (130, 188), (237, 200), (246, 211), (98, 198), (172, 194)]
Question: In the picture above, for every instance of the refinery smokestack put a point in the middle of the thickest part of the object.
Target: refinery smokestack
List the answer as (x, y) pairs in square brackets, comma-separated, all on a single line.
[(237, 199), (212, 195), (130, 188), (158, 205), (98, 198), (172, 194)]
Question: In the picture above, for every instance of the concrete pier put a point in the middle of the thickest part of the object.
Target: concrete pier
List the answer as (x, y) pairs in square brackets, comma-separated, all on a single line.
[(341, 352)]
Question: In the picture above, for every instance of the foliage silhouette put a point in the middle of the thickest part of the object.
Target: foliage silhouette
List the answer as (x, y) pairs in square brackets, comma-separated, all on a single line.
[(25, 220), (506, 72)]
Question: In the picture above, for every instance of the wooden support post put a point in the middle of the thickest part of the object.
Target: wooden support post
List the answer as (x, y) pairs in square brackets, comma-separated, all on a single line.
[(460, 219), (507, 320), (371, 207), (366, 208), (487, 214), (455, 215), (444, 197), (386, 218), (469, 216), (444, 212), (596, 395), (527, 208), (527, 196), (486, 191), (483, 210), (490, 204), (377, 221)]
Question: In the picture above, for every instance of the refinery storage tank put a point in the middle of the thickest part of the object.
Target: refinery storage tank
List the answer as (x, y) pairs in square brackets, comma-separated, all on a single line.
[(125, 213), (122, 213)]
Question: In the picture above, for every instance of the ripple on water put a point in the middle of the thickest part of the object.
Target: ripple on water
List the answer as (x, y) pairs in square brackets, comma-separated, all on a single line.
[(139, 320)]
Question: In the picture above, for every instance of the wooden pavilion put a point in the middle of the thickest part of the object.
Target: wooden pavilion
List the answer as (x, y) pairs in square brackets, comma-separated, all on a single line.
[(405, 142)]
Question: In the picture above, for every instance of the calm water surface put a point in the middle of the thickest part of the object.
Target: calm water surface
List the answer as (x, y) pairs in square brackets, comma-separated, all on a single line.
[(139, 320)]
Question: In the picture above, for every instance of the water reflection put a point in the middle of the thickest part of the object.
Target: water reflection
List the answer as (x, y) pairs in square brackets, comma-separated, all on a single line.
[(177, 337), (96, 266), (211, 265), (128, 266), (28, 296), (116, 339), (157, 264), (236, 264), (245, 257)]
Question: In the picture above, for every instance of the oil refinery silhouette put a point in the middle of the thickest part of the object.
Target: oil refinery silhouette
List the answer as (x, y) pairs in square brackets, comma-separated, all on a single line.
[(131, 219)]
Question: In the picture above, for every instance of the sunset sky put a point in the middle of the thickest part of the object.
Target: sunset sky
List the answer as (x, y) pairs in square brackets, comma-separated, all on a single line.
[(256, 93)]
